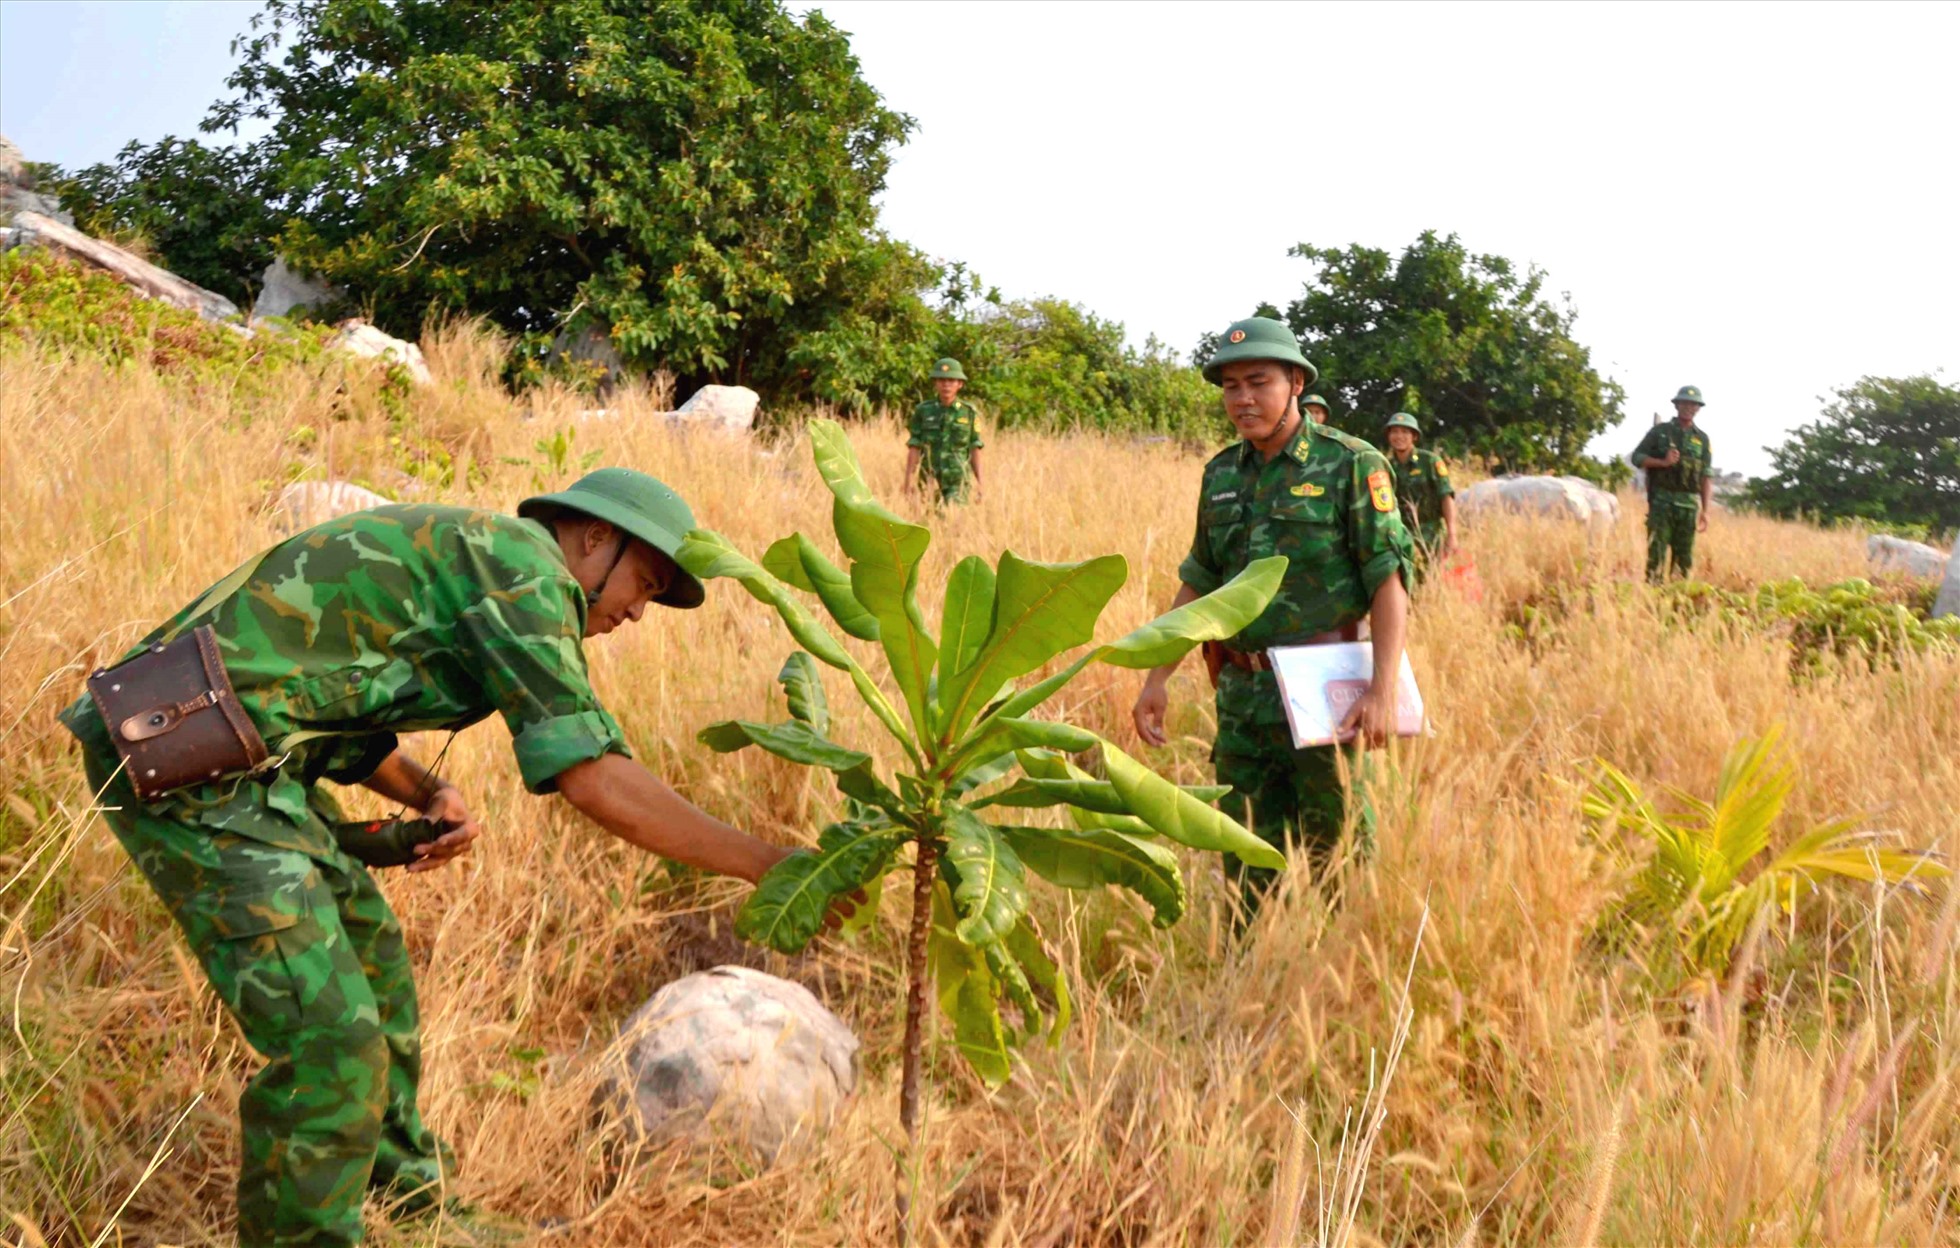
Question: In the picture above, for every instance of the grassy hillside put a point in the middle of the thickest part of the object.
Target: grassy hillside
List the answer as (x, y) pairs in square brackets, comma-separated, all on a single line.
[(1554, 1085)]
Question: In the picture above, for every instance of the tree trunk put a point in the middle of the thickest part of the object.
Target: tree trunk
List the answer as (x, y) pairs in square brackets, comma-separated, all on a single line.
[(923, 874)]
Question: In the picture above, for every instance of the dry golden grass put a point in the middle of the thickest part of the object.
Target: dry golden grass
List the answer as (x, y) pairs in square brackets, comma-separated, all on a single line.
[(1542, 1093)]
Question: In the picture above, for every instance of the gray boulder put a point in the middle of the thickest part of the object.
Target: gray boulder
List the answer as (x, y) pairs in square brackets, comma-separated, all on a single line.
[(304, 504), (285, 290), (736, 1055), (1885, 553), (357, 337), (727, 409), (1562, 498), (17, 193), (35, 229), (593, 346), (1948, 602)]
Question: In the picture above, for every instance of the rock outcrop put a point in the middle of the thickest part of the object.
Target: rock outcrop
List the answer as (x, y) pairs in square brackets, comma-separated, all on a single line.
[(357, 337), (284, 290), (36, 230), (1885, 553), (1563, 498), (1948, 603), (727, 409), (304, 504)]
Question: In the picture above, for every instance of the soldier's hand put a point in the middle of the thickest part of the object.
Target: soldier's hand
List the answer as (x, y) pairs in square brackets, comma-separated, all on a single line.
[(1701, 521), (1372, 717), (843, 909), (1672, 457), (1148, 713), (447, 806)]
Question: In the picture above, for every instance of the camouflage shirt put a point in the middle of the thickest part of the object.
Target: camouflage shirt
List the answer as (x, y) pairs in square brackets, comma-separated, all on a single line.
[(1686, 475), (948, 433), (399, 619), (1422, 482)]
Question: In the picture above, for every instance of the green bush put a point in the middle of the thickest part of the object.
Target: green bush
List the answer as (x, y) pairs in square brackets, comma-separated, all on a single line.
[(1852, 619)]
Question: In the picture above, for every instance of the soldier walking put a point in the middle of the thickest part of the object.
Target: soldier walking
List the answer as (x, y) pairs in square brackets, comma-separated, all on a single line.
[(1679, 489), (1424, 490), (945, 440), (399, 619), (1326, 501)]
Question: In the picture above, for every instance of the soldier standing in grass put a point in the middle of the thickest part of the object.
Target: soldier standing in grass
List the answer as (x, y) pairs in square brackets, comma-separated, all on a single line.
[(1679, 489), (399, 619), (945, 439), (1423, 488), (1327, 502)]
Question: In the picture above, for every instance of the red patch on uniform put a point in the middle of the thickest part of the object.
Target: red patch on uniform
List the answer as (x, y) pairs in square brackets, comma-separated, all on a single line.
[(1381, 491)]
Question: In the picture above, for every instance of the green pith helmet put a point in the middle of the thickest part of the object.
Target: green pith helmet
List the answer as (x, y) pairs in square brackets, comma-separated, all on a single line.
[(1402, 420), (1689, 394), (1257, 338), (639, 505), (1314, 400), (948, 367)]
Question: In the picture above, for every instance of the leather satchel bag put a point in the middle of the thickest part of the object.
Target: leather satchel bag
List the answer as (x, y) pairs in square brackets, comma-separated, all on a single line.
[(174, 718)]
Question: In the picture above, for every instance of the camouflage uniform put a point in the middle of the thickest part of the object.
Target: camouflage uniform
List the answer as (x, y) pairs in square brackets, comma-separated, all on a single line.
[(400, 619), (1673, 494), (1422, 482), (1327, 502), (946, 434)]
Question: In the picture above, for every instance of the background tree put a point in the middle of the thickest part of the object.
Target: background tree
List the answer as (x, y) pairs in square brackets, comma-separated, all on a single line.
[(1465, 341), (1887, 449), (695, 177), (198, 210)]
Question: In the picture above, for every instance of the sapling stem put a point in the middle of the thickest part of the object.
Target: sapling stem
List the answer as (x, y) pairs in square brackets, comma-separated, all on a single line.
[(923, 873)]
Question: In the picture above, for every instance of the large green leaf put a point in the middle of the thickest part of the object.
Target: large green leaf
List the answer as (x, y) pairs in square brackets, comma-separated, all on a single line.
[(788, 906), (968, 995), (1025, 943), (969, 778), (1047, 734), (1040, 610), (1011, 982), (993, 887), (1031, 793), (796, 560), (796, 741), (1096, 857), (709, 555), (968, 616), (1220, 614), (884, 552), (1181, 817), (803, 687)]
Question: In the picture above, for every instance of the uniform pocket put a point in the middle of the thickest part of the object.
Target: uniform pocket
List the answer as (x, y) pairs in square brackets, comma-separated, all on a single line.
[(1321, 510), (252, 940), (358, 692), (1224, 527)]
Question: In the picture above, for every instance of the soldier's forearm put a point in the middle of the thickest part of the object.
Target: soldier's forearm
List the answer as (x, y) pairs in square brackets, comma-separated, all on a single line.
[(1388, 624), (1162, 675), (639, 808), (401, 779)]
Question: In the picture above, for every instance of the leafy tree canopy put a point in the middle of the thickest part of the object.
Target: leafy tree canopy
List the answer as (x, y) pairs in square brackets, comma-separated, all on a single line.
[(1887, 449), (695, 176), (1467, 342), (200, 208)]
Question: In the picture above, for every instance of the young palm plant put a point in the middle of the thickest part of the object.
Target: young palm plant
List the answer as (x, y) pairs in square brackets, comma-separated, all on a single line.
[(1712, 871), (963, 726)]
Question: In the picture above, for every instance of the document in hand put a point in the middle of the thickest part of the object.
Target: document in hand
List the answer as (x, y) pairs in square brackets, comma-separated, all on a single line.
[(1320, 684)]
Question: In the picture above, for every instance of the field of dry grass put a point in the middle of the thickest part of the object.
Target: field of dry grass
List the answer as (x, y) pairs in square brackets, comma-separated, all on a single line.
[(1546, 1091)]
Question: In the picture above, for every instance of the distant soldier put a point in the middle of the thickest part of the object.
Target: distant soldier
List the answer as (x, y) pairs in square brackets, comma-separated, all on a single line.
[(319, 652), (1423, 488), (1315, 409), (945, 439), (1679, 489), (1327, 502)]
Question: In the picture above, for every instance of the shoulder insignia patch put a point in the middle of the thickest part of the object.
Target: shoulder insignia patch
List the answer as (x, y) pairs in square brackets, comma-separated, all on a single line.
[(1300, 451), (1442, 469), (1381, 492), (1307, 489)]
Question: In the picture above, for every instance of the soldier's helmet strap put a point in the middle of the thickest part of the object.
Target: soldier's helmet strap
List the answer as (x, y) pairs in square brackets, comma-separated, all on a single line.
[(619, 553)]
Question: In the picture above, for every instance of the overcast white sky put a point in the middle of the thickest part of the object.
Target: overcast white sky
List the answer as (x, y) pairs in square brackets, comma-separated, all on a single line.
[(1758, 199)]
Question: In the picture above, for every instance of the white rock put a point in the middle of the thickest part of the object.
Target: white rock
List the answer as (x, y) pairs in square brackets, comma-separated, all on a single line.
[(1948, 602), (735, 1054), (307, 503), (357, 337), (10, 161), (139, 274), (284, 290), (1885, 553), (1564, 498), (730, 409)]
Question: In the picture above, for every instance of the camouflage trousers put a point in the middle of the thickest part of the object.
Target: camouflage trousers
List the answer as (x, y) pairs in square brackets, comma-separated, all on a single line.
[(308, 958), (1289, 798), (1671, 519)]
